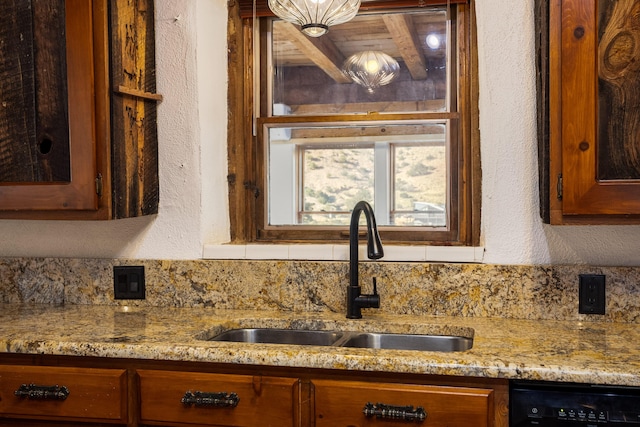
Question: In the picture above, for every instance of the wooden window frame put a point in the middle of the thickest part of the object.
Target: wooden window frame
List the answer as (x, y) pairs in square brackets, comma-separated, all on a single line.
[(246, 162)]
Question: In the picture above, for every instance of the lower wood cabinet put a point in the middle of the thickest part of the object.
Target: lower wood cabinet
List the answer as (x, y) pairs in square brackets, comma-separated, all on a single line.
[(189, 398), (355, 403), (63, 394), (56, 391)]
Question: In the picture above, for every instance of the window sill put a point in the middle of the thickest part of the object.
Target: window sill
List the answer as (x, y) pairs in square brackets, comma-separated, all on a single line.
[(341, 253)]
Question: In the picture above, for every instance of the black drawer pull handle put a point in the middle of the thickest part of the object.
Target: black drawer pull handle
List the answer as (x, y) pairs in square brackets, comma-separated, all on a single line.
[(390, 412), (218, 400), (42, 392)]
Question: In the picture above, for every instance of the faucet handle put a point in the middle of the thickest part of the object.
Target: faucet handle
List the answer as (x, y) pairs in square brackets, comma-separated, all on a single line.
[(373, 300)]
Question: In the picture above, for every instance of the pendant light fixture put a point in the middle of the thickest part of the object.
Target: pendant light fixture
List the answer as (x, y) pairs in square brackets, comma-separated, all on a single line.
[(315, 16), (371, 69)]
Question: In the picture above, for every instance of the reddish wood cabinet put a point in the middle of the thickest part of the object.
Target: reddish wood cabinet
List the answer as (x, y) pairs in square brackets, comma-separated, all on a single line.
[(136, 393), (353, 403), (188, 398), (82, 395), (588, 113)]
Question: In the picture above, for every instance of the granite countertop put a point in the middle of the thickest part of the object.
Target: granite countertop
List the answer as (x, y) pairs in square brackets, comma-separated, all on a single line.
[(569, 351)]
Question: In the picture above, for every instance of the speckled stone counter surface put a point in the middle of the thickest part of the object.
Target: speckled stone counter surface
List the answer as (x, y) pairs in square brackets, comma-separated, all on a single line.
[(524, 319), (591, 352)]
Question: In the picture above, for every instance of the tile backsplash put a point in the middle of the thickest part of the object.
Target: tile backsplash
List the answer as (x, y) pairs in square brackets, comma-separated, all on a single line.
[(415, 288)]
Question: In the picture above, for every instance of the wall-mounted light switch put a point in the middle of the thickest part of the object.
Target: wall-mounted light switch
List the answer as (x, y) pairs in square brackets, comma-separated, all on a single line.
[(128, 282)]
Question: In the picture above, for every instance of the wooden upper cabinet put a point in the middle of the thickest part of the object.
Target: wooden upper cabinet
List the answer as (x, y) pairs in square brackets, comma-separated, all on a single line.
[(78, 133), (589, 111)]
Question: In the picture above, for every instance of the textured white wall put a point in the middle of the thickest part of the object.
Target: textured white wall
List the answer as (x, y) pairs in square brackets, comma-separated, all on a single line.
[(191, 57), (511, 226)]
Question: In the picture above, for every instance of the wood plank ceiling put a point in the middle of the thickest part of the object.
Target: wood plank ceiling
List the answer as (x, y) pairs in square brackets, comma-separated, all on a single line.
[(400, 35)]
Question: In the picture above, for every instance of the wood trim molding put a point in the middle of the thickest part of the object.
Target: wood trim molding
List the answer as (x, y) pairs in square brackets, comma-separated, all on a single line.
[(262, 8), (134, 110)]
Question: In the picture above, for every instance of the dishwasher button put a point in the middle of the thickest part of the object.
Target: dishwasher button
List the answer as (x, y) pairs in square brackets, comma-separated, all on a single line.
[(534, 412)]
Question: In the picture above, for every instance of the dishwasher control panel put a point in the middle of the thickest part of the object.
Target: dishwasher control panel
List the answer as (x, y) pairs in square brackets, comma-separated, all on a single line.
[(559, 404)]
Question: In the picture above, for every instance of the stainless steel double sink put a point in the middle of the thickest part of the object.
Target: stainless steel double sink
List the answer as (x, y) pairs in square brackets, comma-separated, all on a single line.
[(353, 339)]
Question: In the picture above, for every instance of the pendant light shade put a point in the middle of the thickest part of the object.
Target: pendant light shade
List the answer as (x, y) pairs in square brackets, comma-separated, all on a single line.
[(315, 16), (371, 69)]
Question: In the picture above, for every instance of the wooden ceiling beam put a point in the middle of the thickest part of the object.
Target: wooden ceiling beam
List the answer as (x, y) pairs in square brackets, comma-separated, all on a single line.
[(402, 31), (321, 51)]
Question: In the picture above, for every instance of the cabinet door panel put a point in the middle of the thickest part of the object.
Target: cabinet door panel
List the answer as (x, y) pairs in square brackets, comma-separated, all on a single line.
[(341, 403), (263, 401), (599, 124), (618, 90), (78, 193), (34, 135), (93, 394)]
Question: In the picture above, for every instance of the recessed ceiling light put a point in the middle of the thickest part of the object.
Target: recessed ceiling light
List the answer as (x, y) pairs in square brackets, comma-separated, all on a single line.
[(433, 41)]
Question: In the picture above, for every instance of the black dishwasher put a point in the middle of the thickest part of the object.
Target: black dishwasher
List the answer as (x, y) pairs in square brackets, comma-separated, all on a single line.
[(580, 405)]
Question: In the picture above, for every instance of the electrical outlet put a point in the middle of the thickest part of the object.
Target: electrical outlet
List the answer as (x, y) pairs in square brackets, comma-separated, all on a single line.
[(128, 282), (592, 294)]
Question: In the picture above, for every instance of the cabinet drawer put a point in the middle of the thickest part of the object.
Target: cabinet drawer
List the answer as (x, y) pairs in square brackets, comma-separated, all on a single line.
[(342, 403), (263, 401), (39, 393)]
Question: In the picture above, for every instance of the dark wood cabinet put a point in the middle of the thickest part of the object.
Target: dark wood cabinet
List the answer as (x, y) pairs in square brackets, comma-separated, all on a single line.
[(34, 136), (589, 115), (78, 133)]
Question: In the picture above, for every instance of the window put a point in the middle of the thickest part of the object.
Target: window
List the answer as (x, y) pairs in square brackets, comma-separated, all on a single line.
[(317, 174), (320, 133)]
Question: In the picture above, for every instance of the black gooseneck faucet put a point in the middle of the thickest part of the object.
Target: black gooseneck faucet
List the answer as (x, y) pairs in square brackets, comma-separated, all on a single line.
[(355, 300)]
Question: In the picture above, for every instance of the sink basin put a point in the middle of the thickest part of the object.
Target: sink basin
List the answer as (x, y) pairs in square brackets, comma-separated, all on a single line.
[(409, 342), (279, 336), (352, 339)]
